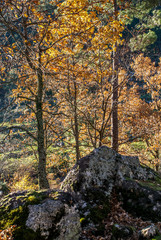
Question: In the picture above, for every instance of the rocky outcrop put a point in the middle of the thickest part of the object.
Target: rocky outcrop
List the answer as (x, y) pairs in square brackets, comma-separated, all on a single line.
[(85, 200), (104, 168)]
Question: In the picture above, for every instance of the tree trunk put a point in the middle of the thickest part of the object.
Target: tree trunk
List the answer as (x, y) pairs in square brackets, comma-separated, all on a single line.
[(43, 182), (76, 129), (114, 115), (157, 159)]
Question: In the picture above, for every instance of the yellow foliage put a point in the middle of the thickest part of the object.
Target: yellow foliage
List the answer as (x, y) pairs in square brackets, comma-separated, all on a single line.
[(24, 183)]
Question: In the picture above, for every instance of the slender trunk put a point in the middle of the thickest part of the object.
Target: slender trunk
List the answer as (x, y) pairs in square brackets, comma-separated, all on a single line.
[(77, 137), (95, 131), (100, 138), (114, 115), (43, 182), (76, 124), (157, 159)]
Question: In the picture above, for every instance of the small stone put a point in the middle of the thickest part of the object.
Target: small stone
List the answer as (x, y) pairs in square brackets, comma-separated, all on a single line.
[(148, 232), (84, 205)]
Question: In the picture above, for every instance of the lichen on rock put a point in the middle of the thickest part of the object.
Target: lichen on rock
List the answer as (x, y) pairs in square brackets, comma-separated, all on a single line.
[(104, 168), (95, 170), (41, 216), (53, 218)]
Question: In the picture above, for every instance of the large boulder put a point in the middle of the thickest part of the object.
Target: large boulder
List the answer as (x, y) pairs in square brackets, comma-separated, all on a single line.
[(104, 168), (84, 201)]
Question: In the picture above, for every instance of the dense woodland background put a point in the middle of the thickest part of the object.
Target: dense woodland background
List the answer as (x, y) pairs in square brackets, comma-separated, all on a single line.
[(75, 75)]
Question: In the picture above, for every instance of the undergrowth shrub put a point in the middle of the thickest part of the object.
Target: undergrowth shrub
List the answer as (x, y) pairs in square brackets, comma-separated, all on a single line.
[(23, 183)]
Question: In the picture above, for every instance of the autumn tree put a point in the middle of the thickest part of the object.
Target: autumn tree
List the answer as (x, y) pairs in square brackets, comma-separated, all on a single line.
[(30, 29), (144, 122), (114, 115), (85, 66), (25, 27), (139, 36), (71, 69)]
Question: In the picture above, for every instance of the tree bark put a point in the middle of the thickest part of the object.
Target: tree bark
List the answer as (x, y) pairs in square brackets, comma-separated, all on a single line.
[(42, 176), (76, 128), (114, 115)]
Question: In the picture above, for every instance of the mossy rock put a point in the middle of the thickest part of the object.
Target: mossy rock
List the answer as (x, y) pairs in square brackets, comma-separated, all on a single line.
[(14, 211), (18, 217)]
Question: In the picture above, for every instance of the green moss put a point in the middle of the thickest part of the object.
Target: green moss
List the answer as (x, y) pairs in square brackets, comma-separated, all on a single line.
[(99, 213), (20, 197), (34, 199), (154, 184), (55, 195), (26, 234), (12, 215), (18, 216), (158, 179)]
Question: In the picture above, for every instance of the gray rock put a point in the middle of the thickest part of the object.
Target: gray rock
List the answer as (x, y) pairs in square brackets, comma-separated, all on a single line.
[(54, 216), (41, 216), (69, 225), (95, 170), (104, 168), (148, 232), (129, 167)]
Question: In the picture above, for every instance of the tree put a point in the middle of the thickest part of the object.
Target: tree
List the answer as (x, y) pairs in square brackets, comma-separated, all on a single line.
[(30, 33), (114, 115), (86, 101), (134, 39), (27, 28), (148, 117)]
